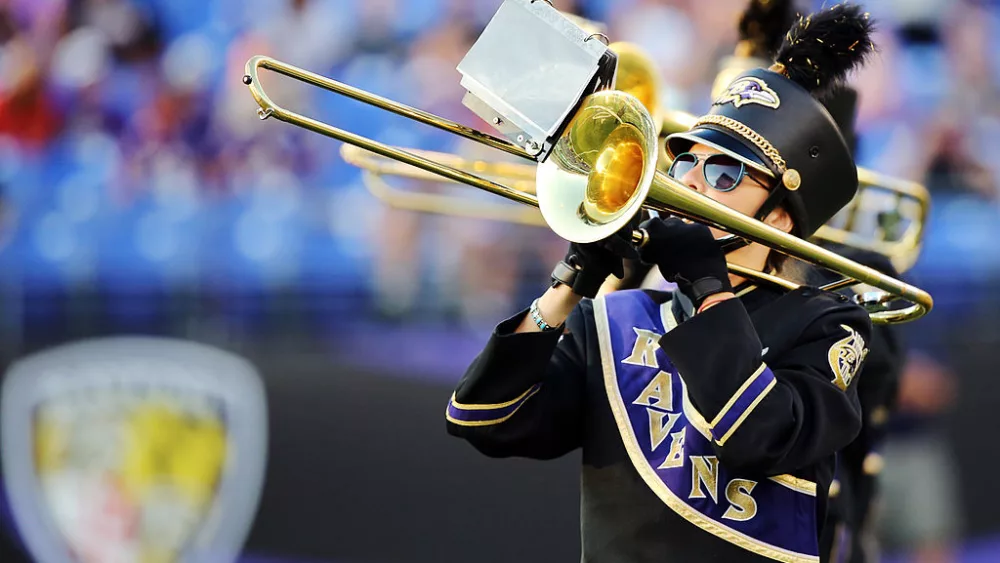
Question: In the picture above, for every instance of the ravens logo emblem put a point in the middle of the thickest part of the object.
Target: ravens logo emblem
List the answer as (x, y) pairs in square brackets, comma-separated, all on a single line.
[(846, 356), (749, 90)]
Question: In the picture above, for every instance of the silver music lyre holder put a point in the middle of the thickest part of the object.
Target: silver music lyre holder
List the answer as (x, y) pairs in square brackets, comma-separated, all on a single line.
[(528, 71)]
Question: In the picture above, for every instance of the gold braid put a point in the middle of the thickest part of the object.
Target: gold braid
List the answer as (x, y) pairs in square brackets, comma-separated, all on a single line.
[(747, 133)]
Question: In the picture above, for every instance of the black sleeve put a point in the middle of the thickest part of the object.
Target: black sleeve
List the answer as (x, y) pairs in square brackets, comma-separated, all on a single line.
[(780, 417), (524, 394)]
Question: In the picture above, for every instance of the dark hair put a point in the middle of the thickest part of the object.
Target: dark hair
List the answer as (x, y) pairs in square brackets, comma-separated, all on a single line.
[(792, 269), (776, 262)]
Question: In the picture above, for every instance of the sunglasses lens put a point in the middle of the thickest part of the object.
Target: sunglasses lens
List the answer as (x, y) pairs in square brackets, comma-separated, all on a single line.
[(682, 165), (723, 172)]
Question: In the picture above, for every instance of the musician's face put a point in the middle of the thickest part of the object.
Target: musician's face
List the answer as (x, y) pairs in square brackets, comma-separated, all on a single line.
[(747, 197)]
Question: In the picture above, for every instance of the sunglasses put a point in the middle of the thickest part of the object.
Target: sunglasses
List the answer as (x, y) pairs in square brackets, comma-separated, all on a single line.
[(721, 171)]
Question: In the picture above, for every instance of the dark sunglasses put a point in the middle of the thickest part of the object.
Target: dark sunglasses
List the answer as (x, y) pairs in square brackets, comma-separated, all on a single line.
[(721, 171)]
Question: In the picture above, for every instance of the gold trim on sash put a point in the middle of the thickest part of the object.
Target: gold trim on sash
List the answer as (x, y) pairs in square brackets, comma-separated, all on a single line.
[(667, 316), (694, 417), (797, 484), (648, 474)]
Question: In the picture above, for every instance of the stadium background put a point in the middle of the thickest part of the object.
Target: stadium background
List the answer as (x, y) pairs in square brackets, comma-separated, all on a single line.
[(139, 194)]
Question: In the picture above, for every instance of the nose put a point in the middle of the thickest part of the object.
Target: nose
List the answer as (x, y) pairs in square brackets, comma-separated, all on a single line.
[(695, 179)]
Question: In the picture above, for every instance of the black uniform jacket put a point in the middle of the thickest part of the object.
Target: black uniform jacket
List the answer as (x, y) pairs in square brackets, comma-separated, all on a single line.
[(549, 392)]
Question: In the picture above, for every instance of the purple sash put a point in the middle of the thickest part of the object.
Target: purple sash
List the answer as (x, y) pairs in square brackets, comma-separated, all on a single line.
[(668, 441)]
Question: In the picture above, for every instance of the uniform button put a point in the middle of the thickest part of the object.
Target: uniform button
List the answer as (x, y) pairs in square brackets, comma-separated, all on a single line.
[(842, 297)]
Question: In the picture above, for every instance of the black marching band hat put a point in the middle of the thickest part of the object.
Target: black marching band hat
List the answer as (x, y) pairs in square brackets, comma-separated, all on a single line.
[(762, 28), (774, 119), (842, 104)]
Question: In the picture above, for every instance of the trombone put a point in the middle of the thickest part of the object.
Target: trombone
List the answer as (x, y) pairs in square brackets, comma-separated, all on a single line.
[(374, 167), (898, 235), (899, 219), (601, 172)]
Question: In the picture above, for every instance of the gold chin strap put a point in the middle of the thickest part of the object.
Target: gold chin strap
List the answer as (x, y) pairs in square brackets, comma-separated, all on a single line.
[(747, 133), (790, 178)]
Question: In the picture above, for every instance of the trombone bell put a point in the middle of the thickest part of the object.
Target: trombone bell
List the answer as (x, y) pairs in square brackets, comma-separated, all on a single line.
[(600, 170), (616, 175)]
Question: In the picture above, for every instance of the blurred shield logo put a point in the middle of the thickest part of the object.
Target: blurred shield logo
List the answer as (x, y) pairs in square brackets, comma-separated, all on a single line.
[(138, 450)]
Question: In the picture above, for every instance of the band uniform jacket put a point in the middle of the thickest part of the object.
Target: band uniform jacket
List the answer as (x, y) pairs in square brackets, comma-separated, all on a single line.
[(709, 438), (846, 538)]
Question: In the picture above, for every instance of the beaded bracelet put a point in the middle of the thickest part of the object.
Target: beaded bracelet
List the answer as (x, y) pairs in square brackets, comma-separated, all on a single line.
[(536, 316)]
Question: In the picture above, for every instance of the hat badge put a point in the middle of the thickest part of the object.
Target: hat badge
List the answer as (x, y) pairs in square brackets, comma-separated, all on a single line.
[(749, 90)]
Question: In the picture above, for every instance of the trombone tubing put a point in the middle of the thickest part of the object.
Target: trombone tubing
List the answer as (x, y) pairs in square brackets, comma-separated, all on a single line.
[(904, 251), (669, 196), (440, 204), (522, 175), (373, 168), (269, 109)]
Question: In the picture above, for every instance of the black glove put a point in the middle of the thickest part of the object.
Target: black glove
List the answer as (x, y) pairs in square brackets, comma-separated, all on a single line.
[(587, 265), (688, 255)]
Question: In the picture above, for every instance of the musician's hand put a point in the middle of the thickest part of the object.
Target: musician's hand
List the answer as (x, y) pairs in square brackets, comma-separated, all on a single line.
[(598, 260), (688, 255)]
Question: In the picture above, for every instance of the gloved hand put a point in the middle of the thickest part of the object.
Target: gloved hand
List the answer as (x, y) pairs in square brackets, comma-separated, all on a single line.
[(688, 255), (595, 261)]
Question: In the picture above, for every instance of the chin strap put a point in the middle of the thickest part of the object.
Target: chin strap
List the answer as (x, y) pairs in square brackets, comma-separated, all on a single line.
[(732, 243)]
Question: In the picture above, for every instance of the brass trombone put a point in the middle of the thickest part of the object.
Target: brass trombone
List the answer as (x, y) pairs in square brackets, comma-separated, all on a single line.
[(374, 167), (601, 172), (901, 245), (900, 221)]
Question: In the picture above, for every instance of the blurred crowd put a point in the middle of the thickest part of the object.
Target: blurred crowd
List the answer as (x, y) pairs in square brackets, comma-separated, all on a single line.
[(132, 161), (131, 157)]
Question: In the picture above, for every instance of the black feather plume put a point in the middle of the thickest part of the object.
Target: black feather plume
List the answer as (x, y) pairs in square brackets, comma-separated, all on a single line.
[(820, 49), (763, 25)]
